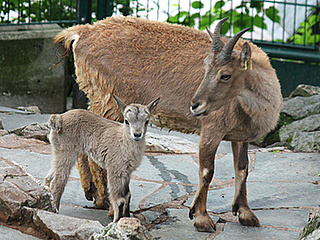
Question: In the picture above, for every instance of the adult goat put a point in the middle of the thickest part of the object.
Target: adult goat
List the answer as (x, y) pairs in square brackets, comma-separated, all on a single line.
[(239, 97)]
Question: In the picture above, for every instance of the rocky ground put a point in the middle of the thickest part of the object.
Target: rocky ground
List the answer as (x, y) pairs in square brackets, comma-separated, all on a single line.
[(283, 188), (299, 124)]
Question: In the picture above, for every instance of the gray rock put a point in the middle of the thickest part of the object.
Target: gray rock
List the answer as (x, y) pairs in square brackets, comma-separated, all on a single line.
[(19, 189), (315, 235), (308, 124), (236, 231), (34, 130), (178, 226), (125, 228), (63, 227), (7, 233), (306, 141), (31, 109), (301, 107), (305, 91), (169, 144), (312, 230)]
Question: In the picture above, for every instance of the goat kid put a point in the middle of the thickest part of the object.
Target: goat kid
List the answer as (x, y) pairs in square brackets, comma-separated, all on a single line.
[(117, 148)]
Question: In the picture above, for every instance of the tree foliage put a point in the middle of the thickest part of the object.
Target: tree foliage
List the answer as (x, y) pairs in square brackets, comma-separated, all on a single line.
[(309, 31), (246, 14)]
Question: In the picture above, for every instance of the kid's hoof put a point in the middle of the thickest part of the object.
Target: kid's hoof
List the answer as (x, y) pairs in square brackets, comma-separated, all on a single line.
[(191, 213), (204, 223), (247, 218)]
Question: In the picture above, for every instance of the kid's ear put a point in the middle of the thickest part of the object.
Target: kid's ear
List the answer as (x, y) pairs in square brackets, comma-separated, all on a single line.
[(153, 104), (120, 103), (245, 55)]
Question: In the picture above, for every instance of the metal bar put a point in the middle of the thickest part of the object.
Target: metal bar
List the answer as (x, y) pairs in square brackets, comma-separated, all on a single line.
[(251, 33), (178, 10), (19, 12), (284, 22), (274, 13), (39, 11), (147, 9), (200, 15), (231, 12), (283, 45), (60, 14), (104, 9), (294, 55), (70, 10), (168, 8), (288, 3), (241, 16), (158, 10), (189, 17), (305, 23), (294, 20), (262, 21), (210, 13), (84, 11), (29, 9)]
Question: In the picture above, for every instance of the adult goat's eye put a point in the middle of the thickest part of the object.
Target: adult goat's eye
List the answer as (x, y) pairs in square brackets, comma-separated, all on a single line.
[(225, 78), (126, 121)]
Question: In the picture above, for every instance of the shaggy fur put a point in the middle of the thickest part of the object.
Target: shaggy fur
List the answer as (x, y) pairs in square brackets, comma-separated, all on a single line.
[(117, 148), (137, 59)]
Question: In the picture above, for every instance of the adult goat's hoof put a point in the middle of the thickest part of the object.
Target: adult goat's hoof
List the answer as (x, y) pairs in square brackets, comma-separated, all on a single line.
[(204, 223), (248, 218)]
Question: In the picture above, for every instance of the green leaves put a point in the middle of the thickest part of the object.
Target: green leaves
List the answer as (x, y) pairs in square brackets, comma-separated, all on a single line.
[(273, 14), (219, 5), (197, 5), (308, 33)]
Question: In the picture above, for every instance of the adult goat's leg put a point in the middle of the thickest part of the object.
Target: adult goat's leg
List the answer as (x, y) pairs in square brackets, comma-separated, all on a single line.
[(207, 150), (240, 202), (86, 180), (100, 180)]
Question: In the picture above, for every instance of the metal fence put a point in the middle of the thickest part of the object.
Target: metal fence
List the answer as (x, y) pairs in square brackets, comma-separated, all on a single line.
[(284, 28)]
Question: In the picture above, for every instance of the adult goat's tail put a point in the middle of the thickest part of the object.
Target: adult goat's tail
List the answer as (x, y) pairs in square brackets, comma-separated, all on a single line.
[(67, 38)]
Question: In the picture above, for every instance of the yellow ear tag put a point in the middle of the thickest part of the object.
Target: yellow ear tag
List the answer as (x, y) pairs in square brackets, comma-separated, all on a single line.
[(251, 63), (245, 65)]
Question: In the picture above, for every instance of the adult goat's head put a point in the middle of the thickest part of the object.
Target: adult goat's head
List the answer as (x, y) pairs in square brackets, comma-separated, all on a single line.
[(225, 72)]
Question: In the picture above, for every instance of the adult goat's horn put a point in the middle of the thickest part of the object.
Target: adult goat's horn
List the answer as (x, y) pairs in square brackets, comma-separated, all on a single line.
[(217, 44), (225, 54)]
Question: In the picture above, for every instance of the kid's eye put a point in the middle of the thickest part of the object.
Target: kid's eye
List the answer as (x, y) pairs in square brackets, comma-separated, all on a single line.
[(126, 121), (147, 122)]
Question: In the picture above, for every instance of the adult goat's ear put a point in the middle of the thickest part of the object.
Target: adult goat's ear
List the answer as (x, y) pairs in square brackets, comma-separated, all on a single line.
[(153, 104), (120, 103), (245, 56)]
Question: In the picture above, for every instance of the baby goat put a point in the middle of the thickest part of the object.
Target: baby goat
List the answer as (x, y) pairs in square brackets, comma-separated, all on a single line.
[(116, 147)]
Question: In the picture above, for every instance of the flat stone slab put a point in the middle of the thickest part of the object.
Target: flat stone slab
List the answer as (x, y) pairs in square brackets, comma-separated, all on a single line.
[(65, 227), (178, 226), (19, 189), (294, 219), (164, 168), (286, 167), (265, 195), (9, 234), (92, 214), (17, 118), (236, 231)]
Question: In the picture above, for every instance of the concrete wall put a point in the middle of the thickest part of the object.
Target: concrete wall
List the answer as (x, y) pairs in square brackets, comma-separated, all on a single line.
[(26, 54)]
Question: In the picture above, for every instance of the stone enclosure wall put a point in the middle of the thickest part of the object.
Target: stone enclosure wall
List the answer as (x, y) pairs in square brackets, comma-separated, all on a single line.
[(299, 123), (26, 54)]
